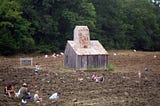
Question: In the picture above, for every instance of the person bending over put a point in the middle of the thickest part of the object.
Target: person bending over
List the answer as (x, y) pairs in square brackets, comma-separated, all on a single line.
[(24, 93)]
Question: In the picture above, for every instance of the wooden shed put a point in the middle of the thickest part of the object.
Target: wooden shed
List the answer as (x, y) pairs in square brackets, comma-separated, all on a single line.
[(83, 53)]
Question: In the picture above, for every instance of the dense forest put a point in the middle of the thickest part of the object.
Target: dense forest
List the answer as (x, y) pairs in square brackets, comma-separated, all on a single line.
[(44, 26)]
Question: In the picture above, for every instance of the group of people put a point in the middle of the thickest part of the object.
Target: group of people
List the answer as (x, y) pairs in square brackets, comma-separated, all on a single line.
[(24, 94)]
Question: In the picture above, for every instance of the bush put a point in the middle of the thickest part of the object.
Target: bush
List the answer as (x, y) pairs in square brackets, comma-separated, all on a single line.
[(110, 67)]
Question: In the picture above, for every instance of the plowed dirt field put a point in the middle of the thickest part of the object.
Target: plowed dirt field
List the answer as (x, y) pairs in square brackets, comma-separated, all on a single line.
[(121, 87)]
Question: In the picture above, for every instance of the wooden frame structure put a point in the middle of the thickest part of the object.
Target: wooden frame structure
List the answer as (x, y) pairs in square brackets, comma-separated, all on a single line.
[(83, 53)]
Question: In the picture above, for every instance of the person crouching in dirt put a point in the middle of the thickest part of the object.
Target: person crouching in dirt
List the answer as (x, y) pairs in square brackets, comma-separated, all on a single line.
[(97, 78), (36, 97), (55, 97), (93, 77), (100, 79), (37, 68), (9, 89), (24, 93)]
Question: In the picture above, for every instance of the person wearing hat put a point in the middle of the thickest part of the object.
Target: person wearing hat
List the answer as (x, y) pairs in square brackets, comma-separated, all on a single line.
[(24, 93)]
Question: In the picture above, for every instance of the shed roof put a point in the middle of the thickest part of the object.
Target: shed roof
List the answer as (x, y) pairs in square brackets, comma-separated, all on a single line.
[(95, 48)]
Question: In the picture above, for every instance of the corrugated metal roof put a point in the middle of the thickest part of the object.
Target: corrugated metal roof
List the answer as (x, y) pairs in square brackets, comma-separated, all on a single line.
[(95, 48)]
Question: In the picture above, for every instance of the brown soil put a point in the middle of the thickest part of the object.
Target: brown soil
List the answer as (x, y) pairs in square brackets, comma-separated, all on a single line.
[(121, 87)]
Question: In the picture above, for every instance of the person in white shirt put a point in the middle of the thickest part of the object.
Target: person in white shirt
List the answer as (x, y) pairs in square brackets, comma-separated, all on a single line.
[(55, 96), (37, 68), (36, 97)]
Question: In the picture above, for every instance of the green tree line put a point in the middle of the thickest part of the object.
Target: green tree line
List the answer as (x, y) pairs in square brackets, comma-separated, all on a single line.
[(44, 26)]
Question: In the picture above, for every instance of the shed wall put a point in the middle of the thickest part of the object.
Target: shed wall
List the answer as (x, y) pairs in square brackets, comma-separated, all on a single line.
[(85, 62), (69, 57)]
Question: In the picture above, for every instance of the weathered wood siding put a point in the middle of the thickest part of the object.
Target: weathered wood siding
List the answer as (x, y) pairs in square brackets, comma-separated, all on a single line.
[(86, 62), (69, 57)]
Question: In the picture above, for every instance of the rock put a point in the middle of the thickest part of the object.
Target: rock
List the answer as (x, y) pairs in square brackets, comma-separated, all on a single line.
[(1, 80), (115, 97), (92, 91), (19, 104), (123, 77), (110, 89), (43, 79), (74, 100), (87, 77), (126, 94), (72, 92), (109, 80), (44, 104), (56, 74)]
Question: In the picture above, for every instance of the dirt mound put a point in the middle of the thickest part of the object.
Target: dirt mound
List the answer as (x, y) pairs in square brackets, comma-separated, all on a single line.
[(121, 87)]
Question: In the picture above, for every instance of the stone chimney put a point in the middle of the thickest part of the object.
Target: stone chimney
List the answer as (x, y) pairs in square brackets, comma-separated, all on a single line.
[(82, 36)]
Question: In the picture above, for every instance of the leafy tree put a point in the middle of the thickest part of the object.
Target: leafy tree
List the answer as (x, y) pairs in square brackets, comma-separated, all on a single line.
[(127, 24), (41, 14), (53, 21), (111, 24), (14, 28), (82, 13), (46, 25), (142, 15), (7, 43)]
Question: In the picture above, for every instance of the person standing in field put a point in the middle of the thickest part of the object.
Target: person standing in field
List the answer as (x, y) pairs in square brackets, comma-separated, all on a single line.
[(37, 68)]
